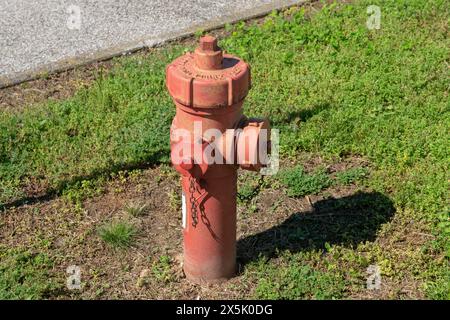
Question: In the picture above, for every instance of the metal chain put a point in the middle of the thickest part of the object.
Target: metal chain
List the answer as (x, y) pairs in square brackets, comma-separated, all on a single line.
[(193, 201)]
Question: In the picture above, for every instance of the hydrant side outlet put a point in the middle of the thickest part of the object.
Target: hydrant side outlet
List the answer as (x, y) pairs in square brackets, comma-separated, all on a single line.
[(210, 139)]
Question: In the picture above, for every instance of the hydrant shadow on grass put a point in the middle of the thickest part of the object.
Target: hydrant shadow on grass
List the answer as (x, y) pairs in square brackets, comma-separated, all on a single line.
[(345, 221)]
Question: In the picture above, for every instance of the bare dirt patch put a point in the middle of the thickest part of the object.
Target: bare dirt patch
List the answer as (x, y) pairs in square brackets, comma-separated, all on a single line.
[(69, 234)]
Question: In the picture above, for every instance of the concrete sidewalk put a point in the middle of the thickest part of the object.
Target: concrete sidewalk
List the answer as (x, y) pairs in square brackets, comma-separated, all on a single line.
[(39, 36)]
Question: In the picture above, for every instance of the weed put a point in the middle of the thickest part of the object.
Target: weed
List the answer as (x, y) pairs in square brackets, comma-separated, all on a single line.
[(135, 210), (174, 200), (295, 281), (439, 288), (118, 234), (350, 176), (245, 193), (24, 275), (80, 190), (162, 269), (300, 183)]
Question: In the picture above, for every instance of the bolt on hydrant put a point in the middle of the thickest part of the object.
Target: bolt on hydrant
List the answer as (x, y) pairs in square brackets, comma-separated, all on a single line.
[(210, 139)]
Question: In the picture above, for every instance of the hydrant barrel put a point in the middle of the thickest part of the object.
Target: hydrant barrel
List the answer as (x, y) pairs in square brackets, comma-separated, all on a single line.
[(209, 136), (210, 247)]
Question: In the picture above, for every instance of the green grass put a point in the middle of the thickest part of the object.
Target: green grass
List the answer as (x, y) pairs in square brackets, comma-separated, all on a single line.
[(246, 192), (332, 87), (300, 183), (335, 88), (439, 289), (297, 281), (24, 275), (350, 176), (119, 122), (118, 234)]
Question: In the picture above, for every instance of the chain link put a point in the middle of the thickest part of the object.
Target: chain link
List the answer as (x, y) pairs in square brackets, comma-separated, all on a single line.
[(193, 201)]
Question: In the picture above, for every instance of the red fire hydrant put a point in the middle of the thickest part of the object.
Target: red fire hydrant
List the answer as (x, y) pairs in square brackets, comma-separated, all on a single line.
[(210, 140)]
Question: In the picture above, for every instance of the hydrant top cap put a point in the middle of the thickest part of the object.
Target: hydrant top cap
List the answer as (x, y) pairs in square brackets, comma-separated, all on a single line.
[(208, 78)]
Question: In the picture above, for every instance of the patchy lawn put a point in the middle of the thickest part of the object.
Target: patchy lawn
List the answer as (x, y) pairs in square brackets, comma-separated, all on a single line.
[(363, 118)]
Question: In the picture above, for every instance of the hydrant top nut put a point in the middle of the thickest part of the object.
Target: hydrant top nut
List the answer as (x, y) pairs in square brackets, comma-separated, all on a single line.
[(208, 43), (208, 78)]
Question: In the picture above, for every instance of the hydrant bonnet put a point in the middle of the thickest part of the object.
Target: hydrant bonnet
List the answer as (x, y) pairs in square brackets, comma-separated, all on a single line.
[(208, 78)]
